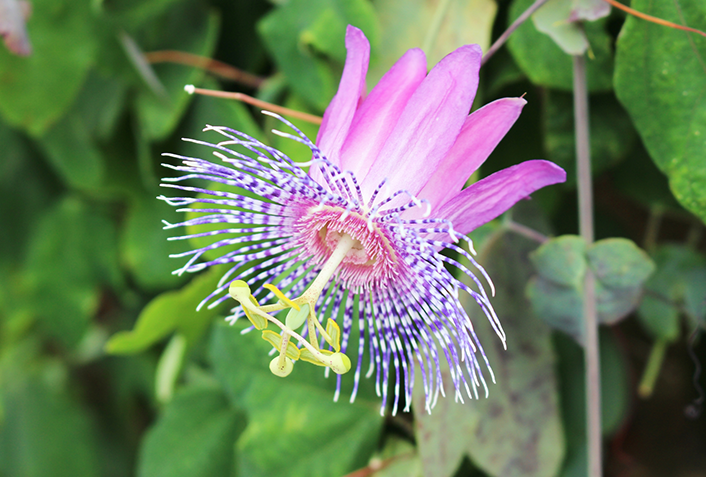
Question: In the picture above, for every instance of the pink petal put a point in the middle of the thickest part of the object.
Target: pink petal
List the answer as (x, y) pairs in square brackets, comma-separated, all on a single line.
[(339, 114), (429, 124), (479, 136), (488, 198), (380, 111)]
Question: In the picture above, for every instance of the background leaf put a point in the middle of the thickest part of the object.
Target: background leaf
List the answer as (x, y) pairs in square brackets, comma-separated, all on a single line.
[(517, 430), (296, 428), (660, 78), (37, 90), (193, 438)]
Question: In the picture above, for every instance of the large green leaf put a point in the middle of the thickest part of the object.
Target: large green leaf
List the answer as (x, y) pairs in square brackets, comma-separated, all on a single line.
[(73, 153), (295, 428), (545, 64), (660, 77), (405, 24), (171, 311), (144, 245), (615, 396), (36, 90), (299, 31), (44, 431), (193, 438), (71, 256), (517, 429)]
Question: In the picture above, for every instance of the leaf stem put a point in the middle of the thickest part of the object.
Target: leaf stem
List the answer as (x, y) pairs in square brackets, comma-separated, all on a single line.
[(506, 34), (216, 67), (652, 19), (652, 369), (585, 192)]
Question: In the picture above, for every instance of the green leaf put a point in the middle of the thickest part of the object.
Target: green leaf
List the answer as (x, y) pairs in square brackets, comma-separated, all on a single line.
[(188, 29), (559, 306), (73, 153), (661, 80), (517, 429), (168, 312), (620, 267), (612, 135), (144, 244), (561, 260), (44, 432), (37, 90), (298, 31), (405, 24), (675, 282), (72, 254), (619, 263), (553, 19), (615, 396), (295, 428), (27, 189), (193, 438), (547, 65)]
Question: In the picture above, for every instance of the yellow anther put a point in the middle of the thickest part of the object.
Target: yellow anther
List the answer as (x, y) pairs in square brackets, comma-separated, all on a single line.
[(281, 296), (275, 339), (310, 357), (334, 332), (259, 322)]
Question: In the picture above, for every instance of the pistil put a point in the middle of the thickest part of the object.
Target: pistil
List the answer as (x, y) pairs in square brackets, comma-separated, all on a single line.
[(301, 307)]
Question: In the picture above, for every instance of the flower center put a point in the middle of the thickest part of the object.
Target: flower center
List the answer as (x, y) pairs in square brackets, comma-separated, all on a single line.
[(370, 261)]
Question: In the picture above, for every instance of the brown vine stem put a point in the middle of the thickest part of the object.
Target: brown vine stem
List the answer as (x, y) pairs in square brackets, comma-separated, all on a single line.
[(585, 191), (506, 34), (652, 19), (377, 465), (214, 66), (310, 118)]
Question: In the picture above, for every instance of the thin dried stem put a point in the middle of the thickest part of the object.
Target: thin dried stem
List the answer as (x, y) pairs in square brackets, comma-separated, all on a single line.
[(585, 191), (255, 102), (503, 38), (213, 66), (525, 231), (652, 19)]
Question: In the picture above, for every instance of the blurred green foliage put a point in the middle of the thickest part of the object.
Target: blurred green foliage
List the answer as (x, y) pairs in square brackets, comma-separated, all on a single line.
[(106, 367)]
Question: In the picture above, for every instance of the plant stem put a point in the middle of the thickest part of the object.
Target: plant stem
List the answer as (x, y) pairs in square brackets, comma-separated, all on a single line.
[(191, 89), (525, 231), (506, 34), (654, 366), (214, 66), (585, 191)]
